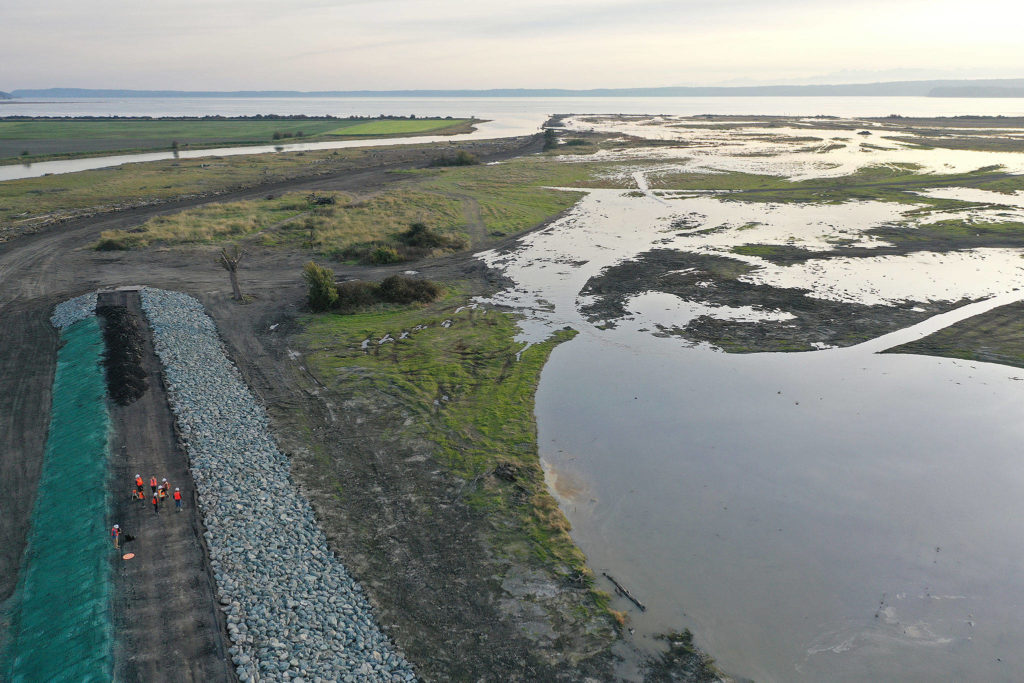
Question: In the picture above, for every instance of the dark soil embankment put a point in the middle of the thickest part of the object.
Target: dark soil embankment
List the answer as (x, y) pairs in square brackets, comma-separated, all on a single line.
[(687, 275), (123, 337)]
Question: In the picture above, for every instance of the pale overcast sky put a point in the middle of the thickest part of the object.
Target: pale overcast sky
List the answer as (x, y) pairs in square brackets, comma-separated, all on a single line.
[(392, 44)]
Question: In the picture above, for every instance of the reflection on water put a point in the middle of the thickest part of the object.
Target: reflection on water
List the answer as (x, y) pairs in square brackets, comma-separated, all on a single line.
[(831, 515)]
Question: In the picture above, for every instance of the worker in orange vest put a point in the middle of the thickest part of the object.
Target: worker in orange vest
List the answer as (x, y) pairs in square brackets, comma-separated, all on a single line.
[(138, 483), (152, 484), (156, 503), (177, 500), (115, 533), (161, 494)]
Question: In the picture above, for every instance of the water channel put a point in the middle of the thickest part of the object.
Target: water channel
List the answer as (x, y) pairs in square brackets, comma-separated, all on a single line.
[(831, 515)]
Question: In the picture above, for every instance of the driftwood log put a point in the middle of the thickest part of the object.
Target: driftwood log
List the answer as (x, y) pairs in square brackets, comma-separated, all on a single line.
[(621, 590)]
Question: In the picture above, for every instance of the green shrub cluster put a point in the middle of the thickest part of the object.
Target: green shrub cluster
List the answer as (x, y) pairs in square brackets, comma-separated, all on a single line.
[(322, 292), (355, 295), (461, 158), (417, 241)]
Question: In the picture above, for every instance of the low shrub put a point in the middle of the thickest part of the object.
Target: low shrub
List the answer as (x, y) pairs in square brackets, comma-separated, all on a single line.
[(420, 236), (461, 158), (385, 254), (322, 293), (400, 289), (355, 295), (112, 244)]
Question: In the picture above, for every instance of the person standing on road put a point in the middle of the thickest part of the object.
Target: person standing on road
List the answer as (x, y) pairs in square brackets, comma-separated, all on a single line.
[(138, 484), (115, 533), (177, 500), (152, 484), (156, 503), (161, 493)]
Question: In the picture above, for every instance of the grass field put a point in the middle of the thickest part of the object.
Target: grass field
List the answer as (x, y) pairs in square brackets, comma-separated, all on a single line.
[(481, 203), (400, 127), (38, 139)]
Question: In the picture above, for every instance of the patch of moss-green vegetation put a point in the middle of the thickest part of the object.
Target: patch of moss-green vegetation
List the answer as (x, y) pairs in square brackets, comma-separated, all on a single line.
[(683, 661), (891, 183), (996, 336), (812, 321), (458, 375), (953, 230), (767, 251)]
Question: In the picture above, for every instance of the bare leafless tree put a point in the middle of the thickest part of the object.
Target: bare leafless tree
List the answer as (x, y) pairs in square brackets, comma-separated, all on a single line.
[(230, 263)]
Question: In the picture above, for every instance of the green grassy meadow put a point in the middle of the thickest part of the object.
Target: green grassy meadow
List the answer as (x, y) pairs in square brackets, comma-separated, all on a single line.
[(470, 396), (40, 139)]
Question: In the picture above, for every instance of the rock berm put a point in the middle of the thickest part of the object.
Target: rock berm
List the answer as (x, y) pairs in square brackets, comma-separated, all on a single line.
[(293, 612)]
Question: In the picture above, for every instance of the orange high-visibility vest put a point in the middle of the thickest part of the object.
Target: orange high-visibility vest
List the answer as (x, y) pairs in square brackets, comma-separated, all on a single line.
[(138, 481), (177, 495), (152, 482)]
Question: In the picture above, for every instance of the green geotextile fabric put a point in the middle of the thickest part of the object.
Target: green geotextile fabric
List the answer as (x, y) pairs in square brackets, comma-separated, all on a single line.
[(61, 623)]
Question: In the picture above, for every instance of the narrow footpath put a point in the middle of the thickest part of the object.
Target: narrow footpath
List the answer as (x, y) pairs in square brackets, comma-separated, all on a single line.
[(166, 621)]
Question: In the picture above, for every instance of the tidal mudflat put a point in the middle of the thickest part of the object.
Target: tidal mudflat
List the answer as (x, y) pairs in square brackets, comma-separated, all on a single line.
[(831, 513)]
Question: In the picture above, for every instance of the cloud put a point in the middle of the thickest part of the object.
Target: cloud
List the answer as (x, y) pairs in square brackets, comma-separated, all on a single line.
[(322, 44)]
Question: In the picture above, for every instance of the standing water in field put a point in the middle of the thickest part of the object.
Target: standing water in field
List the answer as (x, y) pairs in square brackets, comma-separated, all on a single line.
[(834, 514)]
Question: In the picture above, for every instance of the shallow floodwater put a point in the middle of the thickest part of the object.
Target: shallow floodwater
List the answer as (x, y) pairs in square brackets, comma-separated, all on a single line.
[(831, 515)]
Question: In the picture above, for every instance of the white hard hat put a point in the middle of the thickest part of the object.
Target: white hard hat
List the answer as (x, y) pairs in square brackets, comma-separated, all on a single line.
[(177, 489), (117, 526)]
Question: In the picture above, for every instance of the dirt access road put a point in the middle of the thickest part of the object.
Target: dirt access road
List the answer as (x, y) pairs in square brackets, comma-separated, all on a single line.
[(39, 270)]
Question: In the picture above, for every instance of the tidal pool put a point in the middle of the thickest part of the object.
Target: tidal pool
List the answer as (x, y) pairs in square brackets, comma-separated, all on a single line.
[(828, 515)]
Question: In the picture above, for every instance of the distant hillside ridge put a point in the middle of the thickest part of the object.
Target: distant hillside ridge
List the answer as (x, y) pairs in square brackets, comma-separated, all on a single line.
[(4, 95), (937, 88)]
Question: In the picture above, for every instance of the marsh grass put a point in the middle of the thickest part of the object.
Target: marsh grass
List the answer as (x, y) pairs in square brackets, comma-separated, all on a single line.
[(464, 206), (892, 183), (469, 396)]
